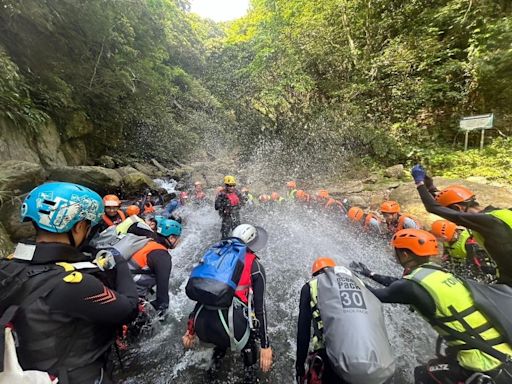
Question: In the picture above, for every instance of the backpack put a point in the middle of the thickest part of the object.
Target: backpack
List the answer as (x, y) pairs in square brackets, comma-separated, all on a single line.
[(354, 332), (214, 280)]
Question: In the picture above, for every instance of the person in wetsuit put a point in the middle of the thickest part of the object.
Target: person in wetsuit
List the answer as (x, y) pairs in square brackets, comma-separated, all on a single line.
[(211, 328), (491, 227), (67, 317), (440, 297), (228, 203)]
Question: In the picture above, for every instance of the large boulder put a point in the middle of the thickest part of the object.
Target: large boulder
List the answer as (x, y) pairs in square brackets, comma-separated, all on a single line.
[(160, 167), (137, 182), (75, 152), (107, 161), (99, 179), (77, 126), (15, 143), (10, 218), (358, 201), (18, 177), (123, 171), (6, 245), (48, 144), (147, 169), (395, 172)]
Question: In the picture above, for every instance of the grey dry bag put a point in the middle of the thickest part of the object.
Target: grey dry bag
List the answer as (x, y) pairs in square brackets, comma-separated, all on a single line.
[(354, 332)]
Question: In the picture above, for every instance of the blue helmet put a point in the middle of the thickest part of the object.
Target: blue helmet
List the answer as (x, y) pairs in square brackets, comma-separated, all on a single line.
[(56, 207), (168, 227)]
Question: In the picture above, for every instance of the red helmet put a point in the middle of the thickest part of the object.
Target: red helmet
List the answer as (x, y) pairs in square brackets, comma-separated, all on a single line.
[(390, 207), (454, 194), (419, 242), (111, 201), (444, 229), (355, 214), (132, 210), (321, 263)]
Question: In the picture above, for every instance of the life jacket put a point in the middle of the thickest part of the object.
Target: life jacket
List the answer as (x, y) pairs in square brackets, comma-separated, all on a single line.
[(233, 199), (148, 207), (290, 195), (139, 260), (504, 215), (245, 283), (199, 196), (117, 220), (68, 347), (457, 250), (456, 309), (401, 222)]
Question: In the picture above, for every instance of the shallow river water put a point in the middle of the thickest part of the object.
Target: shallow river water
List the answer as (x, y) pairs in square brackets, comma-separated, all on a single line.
[(296, 237)]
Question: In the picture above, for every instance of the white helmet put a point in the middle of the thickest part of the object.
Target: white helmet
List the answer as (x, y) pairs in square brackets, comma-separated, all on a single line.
[(254, 237)]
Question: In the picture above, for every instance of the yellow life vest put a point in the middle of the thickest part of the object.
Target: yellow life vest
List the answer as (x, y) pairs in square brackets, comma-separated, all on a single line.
[(454, 307), (457, 250), (504, 215), (318, 342), (290, 195)]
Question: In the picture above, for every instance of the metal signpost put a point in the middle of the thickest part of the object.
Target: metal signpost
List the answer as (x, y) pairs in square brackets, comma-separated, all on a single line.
[(473, 123)]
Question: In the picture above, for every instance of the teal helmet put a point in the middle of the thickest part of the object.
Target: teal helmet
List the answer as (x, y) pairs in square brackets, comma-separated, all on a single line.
[(167, 227), (56, 207)]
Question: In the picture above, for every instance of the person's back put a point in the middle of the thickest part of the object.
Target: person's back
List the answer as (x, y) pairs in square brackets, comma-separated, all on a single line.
[(67, 317)]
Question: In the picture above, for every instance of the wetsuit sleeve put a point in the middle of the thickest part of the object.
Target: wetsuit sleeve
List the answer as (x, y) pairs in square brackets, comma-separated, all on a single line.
[(383, 279), (258, 279), (241, 197), (160, 263), (404, 291), (220, 201), (303, 329), (480, 222), (88, 298)]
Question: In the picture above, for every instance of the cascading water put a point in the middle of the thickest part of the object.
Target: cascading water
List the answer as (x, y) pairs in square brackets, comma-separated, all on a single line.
[(296, 237)]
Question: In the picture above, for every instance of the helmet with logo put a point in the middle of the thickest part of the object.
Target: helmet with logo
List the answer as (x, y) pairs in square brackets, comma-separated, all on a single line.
[(132, 210), (253, 236), (419, 242), (454, 194), (167, 227), (56, 207), (111, 201), (444, 229), (390, 207), (355, 214), (321, 263), (230, 181)]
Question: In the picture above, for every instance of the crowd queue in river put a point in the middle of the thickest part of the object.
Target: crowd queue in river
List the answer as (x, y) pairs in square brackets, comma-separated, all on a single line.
[(97, 277)]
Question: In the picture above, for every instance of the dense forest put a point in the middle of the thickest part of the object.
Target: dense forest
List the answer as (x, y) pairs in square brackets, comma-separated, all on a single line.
[(309, 83)]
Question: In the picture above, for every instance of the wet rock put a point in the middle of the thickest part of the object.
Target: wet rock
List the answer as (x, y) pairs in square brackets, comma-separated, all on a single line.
[(77, 126), (160, 167), (100, 179), (395, 172), (15, 144), (107, 161), (48, 144), (358, 201), (372, 179), (137, 182), (6, 245), (10, 218), (147, 169), (75, 152), (123, 171), (352, 186), (18, 177)]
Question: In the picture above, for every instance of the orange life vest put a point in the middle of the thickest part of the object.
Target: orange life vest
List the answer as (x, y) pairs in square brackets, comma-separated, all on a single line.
[(141, 256), (148, 208), (242, 290), (111, 222)]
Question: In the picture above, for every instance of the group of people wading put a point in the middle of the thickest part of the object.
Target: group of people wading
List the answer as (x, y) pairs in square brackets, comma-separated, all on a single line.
[(94, 268)]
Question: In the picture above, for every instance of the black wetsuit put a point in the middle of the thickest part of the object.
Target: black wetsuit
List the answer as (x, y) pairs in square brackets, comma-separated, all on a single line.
[(209, 328), (160, 264), (403, 291), (303, 338), (497, 235), (68, 331), (229, 213)]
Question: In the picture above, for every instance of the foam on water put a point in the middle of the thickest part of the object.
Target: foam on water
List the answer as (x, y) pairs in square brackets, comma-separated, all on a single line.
[(296, 238)]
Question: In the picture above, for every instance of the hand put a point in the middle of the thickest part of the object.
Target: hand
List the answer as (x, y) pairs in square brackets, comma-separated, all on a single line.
[(265, 359), (105, 260), (418, 174), (429, 183), (360, 268), (188, 340)]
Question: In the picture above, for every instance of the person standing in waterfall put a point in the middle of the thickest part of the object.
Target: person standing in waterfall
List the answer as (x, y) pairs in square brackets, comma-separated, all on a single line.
[(228, 203)]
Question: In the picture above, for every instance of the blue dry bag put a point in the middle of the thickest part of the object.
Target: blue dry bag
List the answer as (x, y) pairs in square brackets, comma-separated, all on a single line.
[(213, 282)]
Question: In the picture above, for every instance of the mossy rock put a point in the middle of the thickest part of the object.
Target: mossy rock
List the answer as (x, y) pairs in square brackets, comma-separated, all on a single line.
[(137, 182), (18, 177), (6, 245)]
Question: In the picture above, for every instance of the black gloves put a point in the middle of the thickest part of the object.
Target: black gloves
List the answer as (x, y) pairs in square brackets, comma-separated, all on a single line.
[(360, 268)]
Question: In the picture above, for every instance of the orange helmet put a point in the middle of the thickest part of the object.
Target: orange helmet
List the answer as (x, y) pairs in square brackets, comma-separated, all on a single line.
[(444, 229), (111, 201), (321, 263), (454, 194), (419, 242), (291, 184), (390, 207), (275, 196), (132, 210), (355, 214), (323, 193), (300, 194), (264, 198)]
